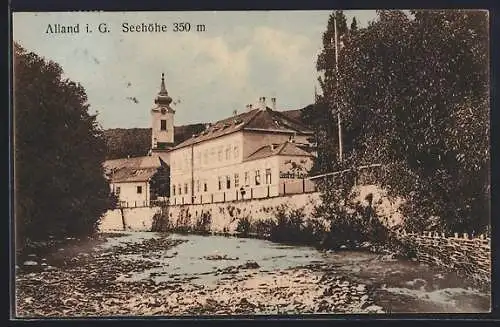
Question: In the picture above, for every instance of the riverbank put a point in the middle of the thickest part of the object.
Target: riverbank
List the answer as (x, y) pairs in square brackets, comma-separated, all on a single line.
[(134, 274)]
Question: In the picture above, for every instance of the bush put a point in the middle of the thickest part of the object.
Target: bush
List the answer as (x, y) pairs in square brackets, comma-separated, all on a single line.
[(203, 223), (160, 220), (244, 226), (350, 222)]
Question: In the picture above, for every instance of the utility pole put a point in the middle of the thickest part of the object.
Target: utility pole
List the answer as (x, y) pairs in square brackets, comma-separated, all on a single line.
[(336, 88), (192, 173)]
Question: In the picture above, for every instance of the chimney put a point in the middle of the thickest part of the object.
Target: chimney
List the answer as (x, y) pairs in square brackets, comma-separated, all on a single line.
[(263, 103), (271, 146), (273, 101), (235, 112)]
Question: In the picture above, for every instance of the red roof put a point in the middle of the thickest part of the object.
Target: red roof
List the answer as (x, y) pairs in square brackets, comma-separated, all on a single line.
[(256, 120), (284, 149)]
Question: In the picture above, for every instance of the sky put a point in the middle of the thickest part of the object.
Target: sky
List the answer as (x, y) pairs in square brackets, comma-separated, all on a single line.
[(240, 57)]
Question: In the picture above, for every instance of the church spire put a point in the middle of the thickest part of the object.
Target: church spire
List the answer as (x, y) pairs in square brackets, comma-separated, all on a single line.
[(163, 98), (163, 89)]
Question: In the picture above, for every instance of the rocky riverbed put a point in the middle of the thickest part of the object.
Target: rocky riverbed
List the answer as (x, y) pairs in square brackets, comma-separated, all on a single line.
[(143, 274)]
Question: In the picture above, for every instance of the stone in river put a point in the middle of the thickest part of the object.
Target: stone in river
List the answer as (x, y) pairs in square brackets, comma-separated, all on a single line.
[(374, 308), (360, 287), (30, 263)]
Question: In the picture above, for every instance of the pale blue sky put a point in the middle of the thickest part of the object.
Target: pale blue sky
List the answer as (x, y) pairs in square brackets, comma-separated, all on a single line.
[(241, 57)]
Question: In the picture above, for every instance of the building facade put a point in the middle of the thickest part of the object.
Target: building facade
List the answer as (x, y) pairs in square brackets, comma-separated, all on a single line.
[(248, 155), (258, 153)]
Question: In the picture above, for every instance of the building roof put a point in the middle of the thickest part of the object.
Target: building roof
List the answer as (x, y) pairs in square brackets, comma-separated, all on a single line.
[(284, 149), (134, 169), (257, 120), (132, 174)]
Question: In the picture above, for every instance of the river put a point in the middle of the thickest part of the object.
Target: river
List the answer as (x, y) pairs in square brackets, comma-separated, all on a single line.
[(143, 273)]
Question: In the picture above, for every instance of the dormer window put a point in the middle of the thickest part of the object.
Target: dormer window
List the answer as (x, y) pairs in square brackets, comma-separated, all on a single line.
[(163, 125)]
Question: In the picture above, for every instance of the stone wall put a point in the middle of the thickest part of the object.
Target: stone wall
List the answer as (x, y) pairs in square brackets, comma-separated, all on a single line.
[(136, 219), (468, 256), (225, 216)]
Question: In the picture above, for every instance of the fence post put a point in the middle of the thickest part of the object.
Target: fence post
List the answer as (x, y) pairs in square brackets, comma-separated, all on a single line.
[(284, 188), (224, 196), (212, 198), (251, 193), (236, 195), (135, 204), (267, 190), (303, 185)]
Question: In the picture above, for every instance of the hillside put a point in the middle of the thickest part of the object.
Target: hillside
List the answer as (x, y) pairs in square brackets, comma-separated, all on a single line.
[(135, 142)]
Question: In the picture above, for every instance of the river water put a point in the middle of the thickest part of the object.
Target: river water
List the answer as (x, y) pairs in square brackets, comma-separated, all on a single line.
[(400, 285), (228, 275)]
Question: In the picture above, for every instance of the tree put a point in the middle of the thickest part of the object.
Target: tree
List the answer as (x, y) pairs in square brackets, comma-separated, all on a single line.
[(160, 182), (415, 96), (354, 24), (322, 115), (58, 153)]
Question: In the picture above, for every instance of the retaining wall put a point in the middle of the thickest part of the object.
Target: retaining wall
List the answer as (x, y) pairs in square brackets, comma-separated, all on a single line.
[(225, 216), (136, 219)]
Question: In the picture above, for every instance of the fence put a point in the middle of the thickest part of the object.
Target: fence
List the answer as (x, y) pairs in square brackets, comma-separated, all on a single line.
[(365, 175)]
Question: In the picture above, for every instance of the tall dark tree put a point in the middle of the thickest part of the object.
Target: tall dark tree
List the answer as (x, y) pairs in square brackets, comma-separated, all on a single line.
[(60, 188), (160, 182), (415, 97), (322, 116), (354, 24)]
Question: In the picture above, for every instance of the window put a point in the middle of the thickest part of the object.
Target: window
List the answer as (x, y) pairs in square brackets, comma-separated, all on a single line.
[(205, 186), (219, 152), (139, 189), (198, 158), (236, 152), (228, 182), (163, 126), (198, 186), (257, 177), (180, 189), (173, 189), (185, 188), (220, 183), (247, 179), (228, 153), (268, 176), (236, 180), (118, 189)]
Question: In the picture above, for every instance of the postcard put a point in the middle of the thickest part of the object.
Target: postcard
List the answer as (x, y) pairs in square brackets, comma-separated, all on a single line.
[(251, 163)]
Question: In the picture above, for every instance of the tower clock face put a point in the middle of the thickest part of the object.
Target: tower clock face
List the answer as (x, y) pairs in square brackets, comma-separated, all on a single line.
[(163, 111)]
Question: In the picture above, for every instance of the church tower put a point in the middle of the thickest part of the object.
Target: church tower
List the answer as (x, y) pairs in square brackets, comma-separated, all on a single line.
[(162, 116)]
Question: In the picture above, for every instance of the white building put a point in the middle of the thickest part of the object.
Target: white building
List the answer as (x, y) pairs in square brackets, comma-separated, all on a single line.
[(258, 153), (130, 179), (255, 154)]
